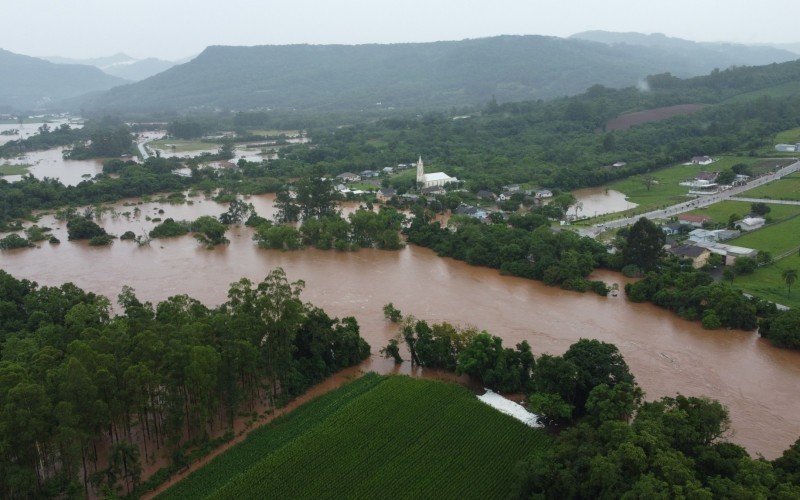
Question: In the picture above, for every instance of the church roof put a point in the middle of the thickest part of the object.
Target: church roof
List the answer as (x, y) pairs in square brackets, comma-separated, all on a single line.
[(436, 176)]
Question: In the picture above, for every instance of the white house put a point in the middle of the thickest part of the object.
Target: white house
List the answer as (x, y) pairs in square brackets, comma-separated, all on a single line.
[(348, 177), (436, 179), (702, 160), (750, 223)]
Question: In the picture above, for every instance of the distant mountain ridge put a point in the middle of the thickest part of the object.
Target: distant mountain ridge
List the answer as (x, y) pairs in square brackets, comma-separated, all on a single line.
[(722, 53), (410, 75), (121, 65), (28, 83)]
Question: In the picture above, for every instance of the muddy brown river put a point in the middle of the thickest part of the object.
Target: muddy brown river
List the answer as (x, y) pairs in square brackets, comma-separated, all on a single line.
[(668, 355)]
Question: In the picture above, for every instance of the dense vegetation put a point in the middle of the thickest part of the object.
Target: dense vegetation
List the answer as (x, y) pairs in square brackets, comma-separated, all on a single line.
[(381, 437), (555, 257), (410, 75), (75, 379)]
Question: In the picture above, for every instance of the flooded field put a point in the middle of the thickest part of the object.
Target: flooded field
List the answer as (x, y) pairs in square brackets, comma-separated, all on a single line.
[(51, 163), (668, 355), (599, 201), (25, 130)]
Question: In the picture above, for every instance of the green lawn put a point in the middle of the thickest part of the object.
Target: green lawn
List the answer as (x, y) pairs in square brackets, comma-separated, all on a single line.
[(784, 90), (787, 188), (667, 191), (720, 212), (767, 282), (791, 136), (774, 238), (7, 169), (377, 437), (181, 146)]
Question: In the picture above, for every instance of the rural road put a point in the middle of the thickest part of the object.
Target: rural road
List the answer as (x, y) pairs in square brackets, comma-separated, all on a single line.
[(143, 150), (700, 202)]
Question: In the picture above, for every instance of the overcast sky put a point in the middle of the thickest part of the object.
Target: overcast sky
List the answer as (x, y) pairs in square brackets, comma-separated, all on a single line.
[(178, 28)]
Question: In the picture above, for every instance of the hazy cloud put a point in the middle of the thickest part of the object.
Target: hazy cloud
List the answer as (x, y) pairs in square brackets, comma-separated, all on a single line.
[(178, 28)]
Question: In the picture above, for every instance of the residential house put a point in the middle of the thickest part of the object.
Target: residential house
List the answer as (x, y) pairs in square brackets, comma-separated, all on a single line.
[(786, 148), (484, 194), (367, 174), (727, 234), (729, 252), (707, 177), (672, 228), (702, 160), (740, 179), (506, 195), (618, 164), (750, 223), (388, 170), (348, 177), (693, 220), (541, 194), (698, 255), (433, 190), (702, 235), (386, 194), (511, 188)]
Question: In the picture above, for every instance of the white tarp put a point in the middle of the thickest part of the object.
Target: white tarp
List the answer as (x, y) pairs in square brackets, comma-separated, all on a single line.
[(509, 407)]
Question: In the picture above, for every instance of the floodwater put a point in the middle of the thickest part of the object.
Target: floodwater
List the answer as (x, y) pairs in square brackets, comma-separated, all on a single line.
[(51, 163), (28, 129), (241, 151), (668, 355), (599, 201)]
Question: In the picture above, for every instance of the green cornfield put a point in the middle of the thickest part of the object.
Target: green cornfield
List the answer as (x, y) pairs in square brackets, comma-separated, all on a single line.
[(376, 437)]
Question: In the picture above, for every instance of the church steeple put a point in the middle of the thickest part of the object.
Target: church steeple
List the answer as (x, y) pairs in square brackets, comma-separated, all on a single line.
[(420, 170)]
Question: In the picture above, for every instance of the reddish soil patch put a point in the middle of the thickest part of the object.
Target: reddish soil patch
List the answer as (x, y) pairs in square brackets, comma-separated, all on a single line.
[(628, 120)]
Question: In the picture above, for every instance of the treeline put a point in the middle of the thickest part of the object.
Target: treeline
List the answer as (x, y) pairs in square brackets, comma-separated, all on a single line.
[(558, 258), (693, 295), (363, 228), (87, 396), (46, 138), (18, 199), (104, 142), (557, 144)]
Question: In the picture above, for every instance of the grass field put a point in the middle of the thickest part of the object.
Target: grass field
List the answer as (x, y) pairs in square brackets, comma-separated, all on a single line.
[(767, 282), (667, 191), (787, 188), (7, 169), (784, 90), (791, 136), (720, 212), (377, 437), (774, 238)]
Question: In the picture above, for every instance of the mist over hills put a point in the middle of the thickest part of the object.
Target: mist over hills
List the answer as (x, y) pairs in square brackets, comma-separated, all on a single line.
[(702, 54), (122, 65), (32, 83), (412, 75)]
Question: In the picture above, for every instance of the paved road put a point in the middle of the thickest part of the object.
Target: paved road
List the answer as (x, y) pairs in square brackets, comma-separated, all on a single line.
[(700, 202), (143, 150)]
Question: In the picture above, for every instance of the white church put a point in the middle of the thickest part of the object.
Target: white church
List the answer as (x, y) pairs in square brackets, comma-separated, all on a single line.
[(432, 180)]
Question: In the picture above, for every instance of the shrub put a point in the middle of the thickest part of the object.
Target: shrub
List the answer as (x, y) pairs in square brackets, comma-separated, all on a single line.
[(100, 240)]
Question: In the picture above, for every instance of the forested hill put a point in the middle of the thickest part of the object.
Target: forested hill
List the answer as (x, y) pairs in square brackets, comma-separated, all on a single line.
[(30, 83), (704, 54), (415, 75)]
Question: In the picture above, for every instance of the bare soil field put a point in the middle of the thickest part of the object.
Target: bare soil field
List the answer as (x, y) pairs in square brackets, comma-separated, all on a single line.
[(628, 120)]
